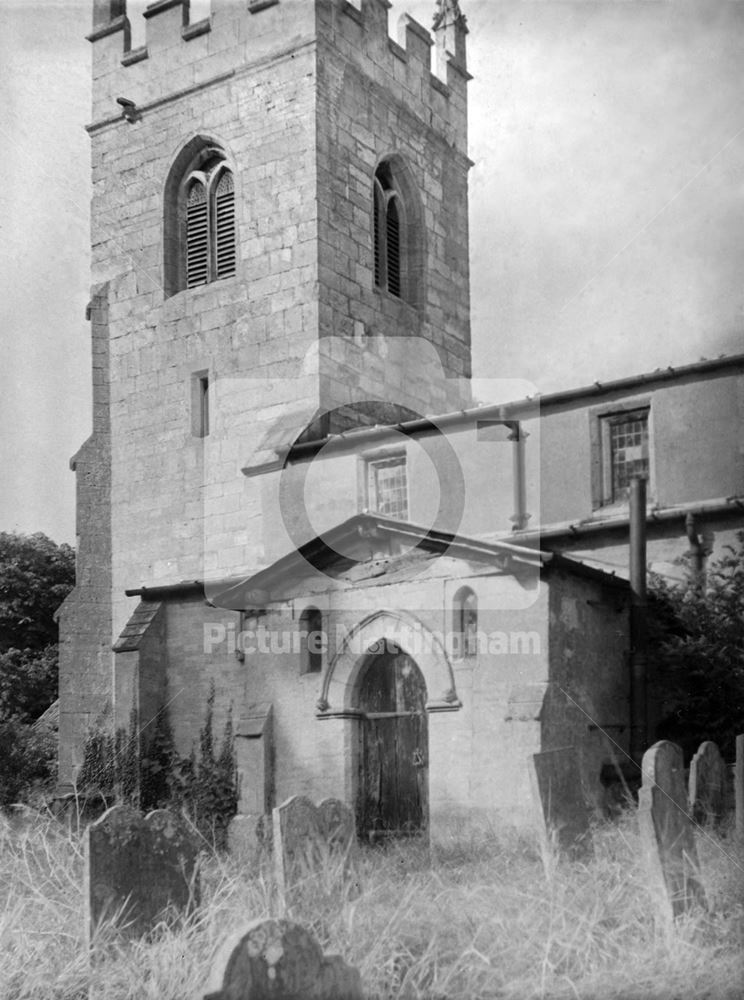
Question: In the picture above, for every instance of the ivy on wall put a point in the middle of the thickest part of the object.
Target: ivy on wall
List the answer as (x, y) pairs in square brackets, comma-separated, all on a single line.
[(202, 785)]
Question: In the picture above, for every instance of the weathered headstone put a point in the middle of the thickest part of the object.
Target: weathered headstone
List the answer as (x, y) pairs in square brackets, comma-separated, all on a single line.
[(707, 784), (667, 831), (559, 800), (138, 867), (279, 960), (242, 836), (739, 787), (308, 840)]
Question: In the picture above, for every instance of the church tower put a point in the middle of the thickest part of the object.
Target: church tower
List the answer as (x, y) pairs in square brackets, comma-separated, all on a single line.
[(279, 219)]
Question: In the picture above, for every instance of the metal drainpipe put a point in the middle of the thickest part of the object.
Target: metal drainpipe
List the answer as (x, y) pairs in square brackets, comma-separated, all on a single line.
[(638, 621), (520, 517), (697, 550)]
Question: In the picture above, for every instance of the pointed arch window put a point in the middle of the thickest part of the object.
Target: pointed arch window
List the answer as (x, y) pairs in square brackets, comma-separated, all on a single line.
[(466, 622), (389, 232), (199, 220)]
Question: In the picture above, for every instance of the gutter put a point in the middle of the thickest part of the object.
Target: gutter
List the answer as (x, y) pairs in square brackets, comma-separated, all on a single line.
[(528, 408), (721, 505), (188, 588)]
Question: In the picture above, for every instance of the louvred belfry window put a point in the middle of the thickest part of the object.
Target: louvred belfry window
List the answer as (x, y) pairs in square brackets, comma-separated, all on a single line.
[(210, 224), (393, 247), (388, 233), (197, 235), (224, 226)]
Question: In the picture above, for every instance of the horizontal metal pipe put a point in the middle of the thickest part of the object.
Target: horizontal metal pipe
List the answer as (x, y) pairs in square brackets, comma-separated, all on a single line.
[(513, 409)]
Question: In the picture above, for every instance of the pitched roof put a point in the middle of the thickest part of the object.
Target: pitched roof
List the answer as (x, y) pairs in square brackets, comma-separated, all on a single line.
[(322, 552)]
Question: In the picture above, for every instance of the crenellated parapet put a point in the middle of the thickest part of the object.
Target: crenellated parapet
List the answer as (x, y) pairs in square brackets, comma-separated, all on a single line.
[(404, 64), (179, 54)]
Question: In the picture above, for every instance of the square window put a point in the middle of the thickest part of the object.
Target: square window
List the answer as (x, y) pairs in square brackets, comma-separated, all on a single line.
[(624, 452), (387, 487)]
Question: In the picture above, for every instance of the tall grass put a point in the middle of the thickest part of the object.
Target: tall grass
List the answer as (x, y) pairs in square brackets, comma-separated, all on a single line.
[(476, 919)]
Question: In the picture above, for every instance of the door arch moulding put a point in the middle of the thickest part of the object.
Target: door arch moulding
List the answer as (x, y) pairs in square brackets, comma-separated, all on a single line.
[(338, 692)]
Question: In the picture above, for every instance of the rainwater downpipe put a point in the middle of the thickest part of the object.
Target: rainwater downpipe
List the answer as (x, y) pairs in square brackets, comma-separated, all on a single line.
[(697, 551), (518, 436), (638, 621)]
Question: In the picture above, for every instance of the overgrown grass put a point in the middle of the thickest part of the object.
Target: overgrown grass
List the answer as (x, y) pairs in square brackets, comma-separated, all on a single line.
[(475, 920)]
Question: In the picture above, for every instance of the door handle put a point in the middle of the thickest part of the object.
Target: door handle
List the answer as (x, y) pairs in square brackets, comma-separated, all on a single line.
[(418, 758)]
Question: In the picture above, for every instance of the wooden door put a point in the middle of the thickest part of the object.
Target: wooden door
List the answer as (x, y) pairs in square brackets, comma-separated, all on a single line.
[(393, 747)]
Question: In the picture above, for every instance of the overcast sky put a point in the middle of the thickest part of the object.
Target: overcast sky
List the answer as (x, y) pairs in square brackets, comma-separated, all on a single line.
[(607, 207)]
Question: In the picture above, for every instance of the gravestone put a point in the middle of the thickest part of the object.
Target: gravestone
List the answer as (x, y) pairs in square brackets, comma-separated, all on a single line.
[(279, 960), (667, 831), (707, 784), (137, 868), (242, 836), (739, 787), (309, 840), (559, 800)]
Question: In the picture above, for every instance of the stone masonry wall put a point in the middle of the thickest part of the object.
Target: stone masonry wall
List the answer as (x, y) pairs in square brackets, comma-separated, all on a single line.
[(477, 753), (588, 702), (179, 503), (85, 657), (248, 79), (376, 98)]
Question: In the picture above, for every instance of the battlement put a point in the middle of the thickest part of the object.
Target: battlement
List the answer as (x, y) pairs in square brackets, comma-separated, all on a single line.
[(179, 55)]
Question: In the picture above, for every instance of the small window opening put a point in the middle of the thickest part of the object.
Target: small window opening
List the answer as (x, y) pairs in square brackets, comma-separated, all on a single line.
[(311, 641), (388, 232), (466, 623), (200, 404)]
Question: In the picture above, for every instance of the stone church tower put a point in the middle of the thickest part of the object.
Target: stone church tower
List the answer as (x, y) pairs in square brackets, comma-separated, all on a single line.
[(279, 218)]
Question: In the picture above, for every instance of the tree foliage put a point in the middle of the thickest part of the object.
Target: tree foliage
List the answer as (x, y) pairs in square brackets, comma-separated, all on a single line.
[(36, 575), (697, 649)]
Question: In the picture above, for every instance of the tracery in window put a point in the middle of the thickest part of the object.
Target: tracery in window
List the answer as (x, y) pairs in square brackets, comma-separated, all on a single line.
[(397, 232), (200, 228)]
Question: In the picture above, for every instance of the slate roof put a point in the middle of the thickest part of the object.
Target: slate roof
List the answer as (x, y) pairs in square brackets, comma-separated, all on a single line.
[(135, 629)]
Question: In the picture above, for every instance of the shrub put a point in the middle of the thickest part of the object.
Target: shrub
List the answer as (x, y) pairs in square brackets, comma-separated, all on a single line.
[(697, 647), (205, 787), (27, 761)]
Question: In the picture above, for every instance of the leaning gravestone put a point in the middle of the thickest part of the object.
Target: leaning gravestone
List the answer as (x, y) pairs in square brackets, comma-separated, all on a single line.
[(279, 960), (559, 800), (137, 868), (308, 840), (667, 831), (707, 784)]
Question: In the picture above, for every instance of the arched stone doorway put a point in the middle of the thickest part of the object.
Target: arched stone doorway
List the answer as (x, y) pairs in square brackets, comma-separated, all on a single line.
[(393, 750)]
